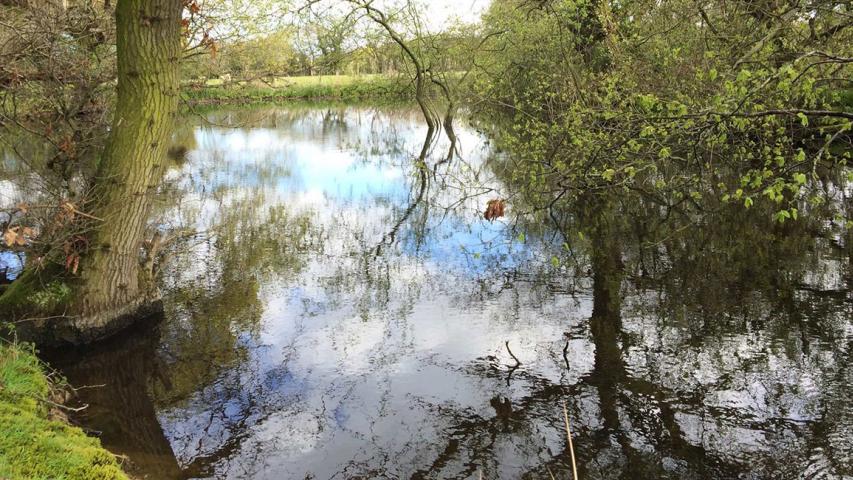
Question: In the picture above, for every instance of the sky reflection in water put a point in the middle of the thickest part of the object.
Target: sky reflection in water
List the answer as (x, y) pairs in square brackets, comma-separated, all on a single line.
[(295, 348)]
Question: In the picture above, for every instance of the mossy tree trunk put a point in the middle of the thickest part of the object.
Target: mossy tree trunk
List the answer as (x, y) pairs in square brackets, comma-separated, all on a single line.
[(148, 48), (113, 289)]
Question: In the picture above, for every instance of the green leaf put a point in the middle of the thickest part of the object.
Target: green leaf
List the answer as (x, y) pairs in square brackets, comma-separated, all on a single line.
[(782, 215)]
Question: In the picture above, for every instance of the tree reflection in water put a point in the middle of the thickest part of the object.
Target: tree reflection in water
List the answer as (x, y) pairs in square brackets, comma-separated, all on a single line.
[(295, 348)]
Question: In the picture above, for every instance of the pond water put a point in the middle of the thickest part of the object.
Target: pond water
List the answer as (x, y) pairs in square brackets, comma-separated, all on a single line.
[(333, 310)]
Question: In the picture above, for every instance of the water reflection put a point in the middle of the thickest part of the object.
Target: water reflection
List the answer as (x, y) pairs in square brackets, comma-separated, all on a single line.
[(113, 382), (336, 313)]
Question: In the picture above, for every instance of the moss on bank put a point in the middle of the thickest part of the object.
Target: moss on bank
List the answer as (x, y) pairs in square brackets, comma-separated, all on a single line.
[(307, 88), (32, 446)]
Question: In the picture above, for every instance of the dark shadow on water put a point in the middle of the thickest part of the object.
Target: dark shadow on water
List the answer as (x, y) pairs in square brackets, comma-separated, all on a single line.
[(112, 379)]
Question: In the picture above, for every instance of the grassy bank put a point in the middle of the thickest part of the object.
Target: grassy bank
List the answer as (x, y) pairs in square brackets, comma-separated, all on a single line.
[(328, 87), (34, 446)]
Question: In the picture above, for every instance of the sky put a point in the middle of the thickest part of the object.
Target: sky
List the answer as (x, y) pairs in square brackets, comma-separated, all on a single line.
[(440, 11)]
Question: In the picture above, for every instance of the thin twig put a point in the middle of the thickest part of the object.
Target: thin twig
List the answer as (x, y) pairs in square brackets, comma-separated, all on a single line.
[(76, 389), (63, 407), (517, 361), (571, 446)]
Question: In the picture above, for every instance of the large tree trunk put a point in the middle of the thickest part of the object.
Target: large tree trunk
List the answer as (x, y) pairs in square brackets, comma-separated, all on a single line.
[(114, 290)]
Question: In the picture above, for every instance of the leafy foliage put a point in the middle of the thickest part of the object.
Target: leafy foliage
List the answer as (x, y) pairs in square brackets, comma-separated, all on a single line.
[(689, 105)]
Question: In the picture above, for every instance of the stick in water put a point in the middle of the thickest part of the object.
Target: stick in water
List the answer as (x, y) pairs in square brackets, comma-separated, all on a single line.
[(569, 436)]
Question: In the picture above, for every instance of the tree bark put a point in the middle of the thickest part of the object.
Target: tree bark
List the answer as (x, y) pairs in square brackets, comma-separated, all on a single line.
[(114, 290)]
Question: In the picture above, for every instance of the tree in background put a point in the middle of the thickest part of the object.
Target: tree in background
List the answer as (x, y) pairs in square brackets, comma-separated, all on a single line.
[(324, 40), (242, 37), (269, 55)]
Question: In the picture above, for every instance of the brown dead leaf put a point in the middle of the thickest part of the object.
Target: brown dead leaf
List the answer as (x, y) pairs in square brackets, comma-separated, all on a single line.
[(17, 236), (67, 211), (10, 236), (494, 209), (67, 146)]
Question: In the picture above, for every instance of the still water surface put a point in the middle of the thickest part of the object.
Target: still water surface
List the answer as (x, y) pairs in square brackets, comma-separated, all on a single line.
[(337, 313)]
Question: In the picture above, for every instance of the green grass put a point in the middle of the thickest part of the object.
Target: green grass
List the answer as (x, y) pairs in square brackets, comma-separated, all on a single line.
[(32, 446), (334, 87)]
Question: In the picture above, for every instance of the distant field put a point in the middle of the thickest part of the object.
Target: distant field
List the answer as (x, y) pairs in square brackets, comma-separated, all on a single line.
[(301, 87), (299, 80)]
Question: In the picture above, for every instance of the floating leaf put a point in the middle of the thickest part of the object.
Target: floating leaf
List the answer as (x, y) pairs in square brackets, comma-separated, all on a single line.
[(494, 209)]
